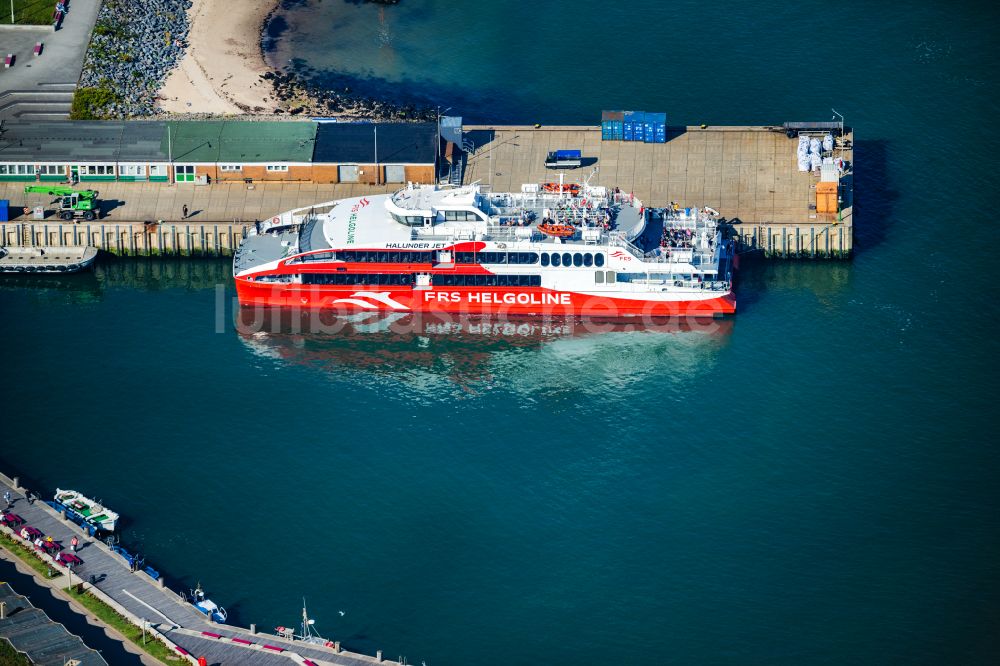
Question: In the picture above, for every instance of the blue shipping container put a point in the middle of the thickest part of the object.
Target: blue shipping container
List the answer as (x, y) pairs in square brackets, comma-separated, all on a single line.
[(636, 118), (617, 130), (637, 132), (629, 130), (4, 206), (649, 129), (661, 133)]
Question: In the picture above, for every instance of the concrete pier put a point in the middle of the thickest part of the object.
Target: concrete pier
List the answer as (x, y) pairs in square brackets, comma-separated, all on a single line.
[(748, 174)]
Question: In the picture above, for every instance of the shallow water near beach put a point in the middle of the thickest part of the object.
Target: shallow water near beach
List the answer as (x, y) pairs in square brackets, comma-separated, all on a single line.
[(812, 481)]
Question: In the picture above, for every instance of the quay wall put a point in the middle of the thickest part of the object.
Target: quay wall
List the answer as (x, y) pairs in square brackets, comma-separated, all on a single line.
[(795, 241), (130, 240), (815, 240)]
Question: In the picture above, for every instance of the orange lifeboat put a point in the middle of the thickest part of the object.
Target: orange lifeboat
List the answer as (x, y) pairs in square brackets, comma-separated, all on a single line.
[(557, 230), (571, 188)]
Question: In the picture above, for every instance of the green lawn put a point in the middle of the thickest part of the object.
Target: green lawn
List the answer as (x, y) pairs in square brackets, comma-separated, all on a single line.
[(111, 618), (30, 12), (11, 657)]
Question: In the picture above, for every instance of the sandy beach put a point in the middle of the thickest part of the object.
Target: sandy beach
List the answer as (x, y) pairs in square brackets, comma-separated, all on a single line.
[(220, 71)]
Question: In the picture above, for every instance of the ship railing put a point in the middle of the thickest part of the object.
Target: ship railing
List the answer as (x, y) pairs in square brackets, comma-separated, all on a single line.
[(681, 256), (617, 239), (665, 283)]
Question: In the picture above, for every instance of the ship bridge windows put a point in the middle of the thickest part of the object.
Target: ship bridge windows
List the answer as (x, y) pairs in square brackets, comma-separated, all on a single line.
[(409, 220), (462, 216)]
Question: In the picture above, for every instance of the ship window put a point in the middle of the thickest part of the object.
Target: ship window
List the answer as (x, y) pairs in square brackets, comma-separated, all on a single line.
[(599, 259), (394, 257), (567, 258), (599, 277), (588, 260), (545, 259), (492, 281), (610, 277), (578, 260), (465, 257), (556, 261)]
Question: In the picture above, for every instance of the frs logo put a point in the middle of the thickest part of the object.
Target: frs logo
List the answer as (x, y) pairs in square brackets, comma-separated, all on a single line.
[(618, 254), (361, 204), (370, 296)]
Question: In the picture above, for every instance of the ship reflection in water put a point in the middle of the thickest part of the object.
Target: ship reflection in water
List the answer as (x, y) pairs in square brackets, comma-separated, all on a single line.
[(424, 350)]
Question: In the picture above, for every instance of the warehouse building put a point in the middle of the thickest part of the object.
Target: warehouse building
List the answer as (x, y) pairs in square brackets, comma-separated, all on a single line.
[(204, 152), (374, 153)]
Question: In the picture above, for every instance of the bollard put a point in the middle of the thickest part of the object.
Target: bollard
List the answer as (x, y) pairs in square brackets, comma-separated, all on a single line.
[(17, 482), (336, 647), (253, 629), (161, 582), (378, 656)]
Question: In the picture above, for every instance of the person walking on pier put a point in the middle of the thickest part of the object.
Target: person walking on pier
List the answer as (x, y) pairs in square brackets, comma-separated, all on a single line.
[(6, 498), (73, 543), (184, 210)]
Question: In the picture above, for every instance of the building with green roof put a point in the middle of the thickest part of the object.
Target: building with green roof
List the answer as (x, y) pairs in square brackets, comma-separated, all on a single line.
[(209, 151)]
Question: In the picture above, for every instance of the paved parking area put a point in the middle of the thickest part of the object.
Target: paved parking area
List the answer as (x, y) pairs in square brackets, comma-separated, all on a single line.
[(42, 86)]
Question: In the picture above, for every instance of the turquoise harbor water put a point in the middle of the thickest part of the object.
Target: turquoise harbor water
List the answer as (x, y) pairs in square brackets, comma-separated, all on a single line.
[(813, 481)]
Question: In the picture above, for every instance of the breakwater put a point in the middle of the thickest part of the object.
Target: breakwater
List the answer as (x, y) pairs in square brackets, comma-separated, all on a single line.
[(132, 49)]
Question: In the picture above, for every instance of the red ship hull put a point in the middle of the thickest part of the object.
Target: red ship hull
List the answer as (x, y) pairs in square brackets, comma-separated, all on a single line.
[(532, 301)]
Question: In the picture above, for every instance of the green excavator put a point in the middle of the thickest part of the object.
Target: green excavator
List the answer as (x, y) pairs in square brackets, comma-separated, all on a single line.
[(73, 204)]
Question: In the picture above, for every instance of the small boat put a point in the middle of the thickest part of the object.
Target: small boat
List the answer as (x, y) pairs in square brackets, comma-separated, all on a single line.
[(86, 510), (308, 632), (207, 606), (557, 230)]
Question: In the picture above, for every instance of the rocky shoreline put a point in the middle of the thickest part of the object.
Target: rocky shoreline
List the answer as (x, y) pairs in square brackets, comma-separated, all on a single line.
[(132, 49), (131, 54)]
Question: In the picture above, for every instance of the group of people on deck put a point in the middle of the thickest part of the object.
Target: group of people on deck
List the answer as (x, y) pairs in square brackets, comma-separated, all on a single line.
[(673, 237)]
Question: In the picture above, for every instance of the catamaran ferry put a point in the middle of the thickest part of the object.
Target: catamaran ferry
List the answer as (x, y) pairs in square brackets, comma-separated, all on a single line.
[(551, 249)]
